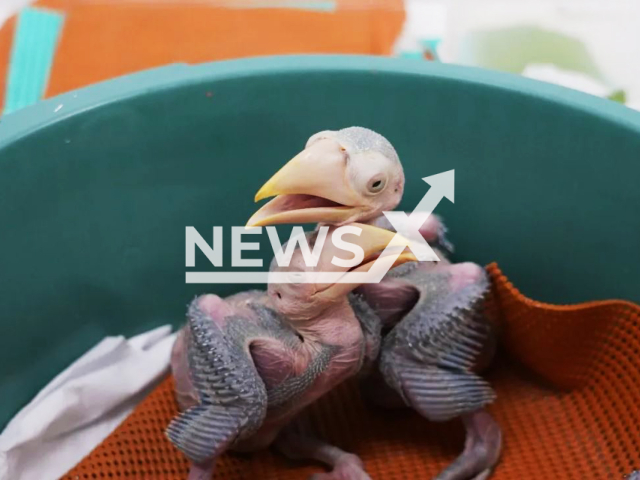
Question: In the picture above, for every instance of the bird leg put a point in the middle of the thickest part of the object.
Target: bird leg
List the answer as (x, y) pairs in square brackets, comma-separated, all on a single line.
[(433, 355), (481, 450), (201, 472), (345, 466)]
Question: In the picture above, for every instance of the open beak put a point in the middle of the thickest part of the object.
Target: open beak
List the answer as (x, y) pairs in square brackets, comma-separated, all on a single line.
[(373, 240), (310, 188)]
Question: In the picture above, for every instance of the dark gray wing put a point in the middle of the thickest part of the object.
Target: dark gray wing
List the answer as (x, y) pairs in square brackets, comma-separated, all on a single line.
[(233, 398), (430, 356), (371, 328)]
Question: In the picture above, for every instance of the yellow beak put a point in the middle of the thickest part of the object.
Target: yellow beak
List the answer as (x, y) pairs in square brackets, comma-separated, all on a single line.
[(310, 188), (373, 240)]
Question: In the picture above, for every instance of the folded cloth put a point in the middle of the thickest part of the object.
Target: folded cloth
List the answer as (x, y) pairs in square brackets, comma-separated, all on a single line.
[(83, 405)]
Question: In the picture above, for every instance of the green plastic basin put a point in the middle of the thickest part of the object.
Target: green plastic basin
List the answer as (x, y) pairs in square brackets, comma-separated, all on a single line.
[(98, 185)]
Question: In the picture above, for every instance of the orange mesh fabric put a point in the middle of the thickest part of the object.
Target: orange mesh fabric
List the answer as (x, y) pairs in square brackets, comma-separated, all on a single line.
[(591, 431)]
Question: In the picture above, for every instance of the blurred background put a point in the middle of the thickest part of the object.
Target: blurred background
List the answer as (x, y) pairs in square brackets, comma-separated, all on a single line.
[(51, 46)]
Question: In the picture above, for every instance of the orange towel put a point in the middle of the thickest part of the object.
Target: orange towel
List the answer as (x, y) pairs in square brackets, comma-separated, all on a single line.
[(102, 39), (568, 388), (6, 40)]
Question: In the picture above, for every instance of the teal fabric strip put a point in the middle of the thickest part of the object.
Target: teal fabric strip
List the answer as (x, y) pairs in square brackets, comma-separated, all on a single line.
[(427, 44), (34, 44), (431, 43), (411, 54)]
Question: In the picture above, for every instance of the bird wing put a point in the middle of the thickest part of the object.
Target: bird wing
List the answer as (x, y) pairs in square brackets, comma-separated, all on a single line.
[(430, 356), (371, 325), (233, 398)]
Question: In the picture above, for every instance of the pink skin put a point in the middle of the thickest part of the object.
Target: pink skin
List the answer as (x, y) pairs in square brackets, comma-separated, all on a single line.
[(301, 303), (338, 327), (430, 229), (346, 466), (335, 325), (483, 435), (201, 472), (463, 274), (392, 298), (218, 309), (321, 316)]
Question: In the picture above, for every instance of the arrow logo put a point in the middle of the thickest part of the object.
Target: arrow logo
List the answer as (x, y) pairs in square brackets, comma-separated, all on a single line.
[(407, 229), (408, 226), (442, 185)]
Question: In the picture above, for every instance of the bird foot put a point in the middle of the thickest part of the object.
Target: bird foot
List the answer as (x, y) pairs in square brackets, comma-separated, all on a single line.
[(348, 467), (482, 449), (201, 472)]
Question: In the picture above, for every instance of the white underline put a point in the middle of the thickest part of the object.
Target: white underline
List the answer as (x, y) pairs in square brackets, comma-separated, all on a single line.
[(374, 275), (227, 277)]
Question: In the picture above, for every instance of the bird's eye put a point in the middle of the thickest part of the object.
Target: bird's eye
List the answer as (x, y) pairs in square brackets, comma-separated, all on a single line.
[(279, 295), (376, 184)]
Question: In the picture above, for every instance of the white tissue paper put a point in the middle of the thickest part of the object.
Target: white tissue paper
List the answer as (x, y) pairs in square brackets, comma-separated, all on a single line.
[(83, 405)]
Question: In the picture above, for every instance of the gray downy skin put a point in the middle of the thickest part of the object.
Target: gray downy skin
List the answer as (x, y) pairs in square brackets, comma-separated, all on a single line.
[(355, 174), (432, 356), (246, 365), (371, 325), (220, 374), (230, 394), (435, 343), (222, 398), (436, 340)]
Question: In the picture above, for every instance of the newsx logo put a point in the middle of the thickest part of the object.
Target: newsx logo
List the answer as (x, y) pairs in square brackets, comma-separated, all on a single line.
[(406, 226)]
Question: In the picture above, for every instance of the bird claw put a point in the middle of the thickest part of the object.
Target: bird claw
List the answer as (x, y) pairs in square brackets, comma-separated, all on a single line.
[(349, 467), (482, 450)]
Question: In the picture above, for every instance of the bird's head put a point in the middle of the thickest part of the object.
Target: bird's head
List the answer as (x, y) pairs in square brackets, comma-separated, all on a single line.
[(353, 174), (305, 301)]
